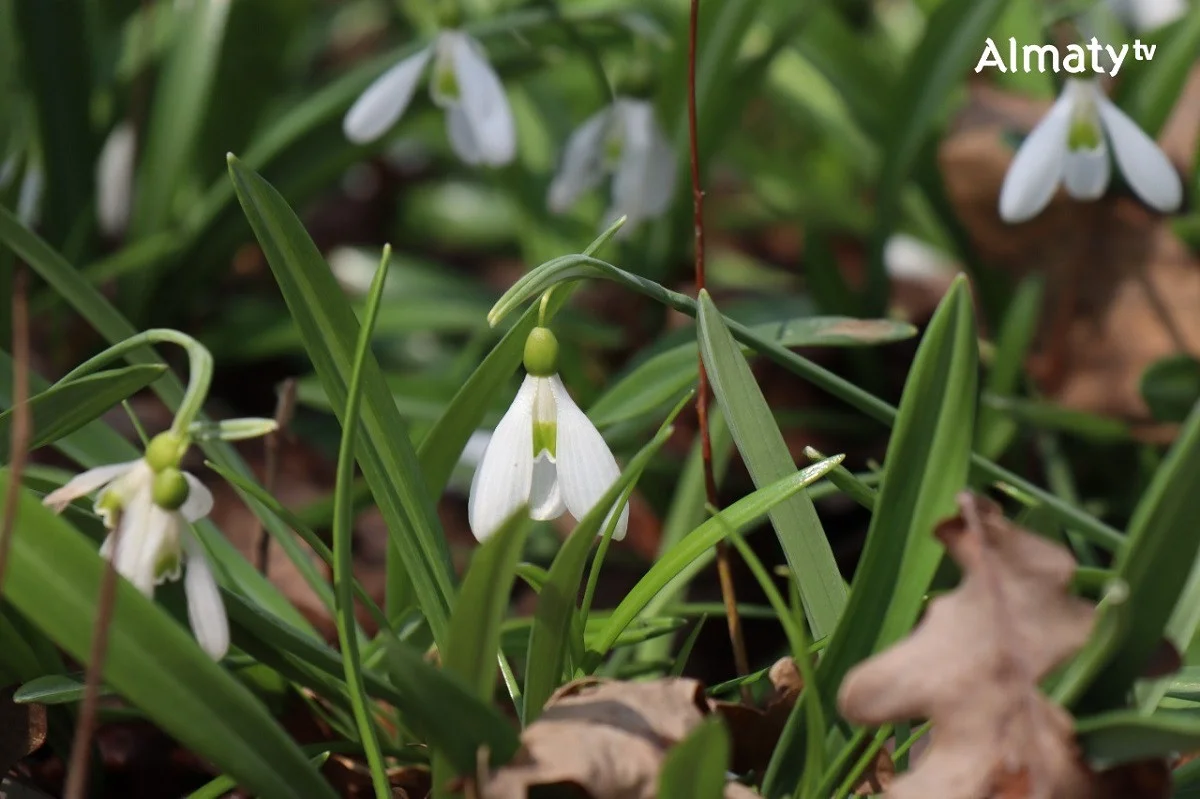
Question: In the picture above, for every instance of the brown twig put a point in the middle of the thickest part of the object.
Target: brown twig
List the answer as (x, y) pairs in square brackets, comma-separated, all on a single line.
[(22, 427), (285, 406), (724, 568)]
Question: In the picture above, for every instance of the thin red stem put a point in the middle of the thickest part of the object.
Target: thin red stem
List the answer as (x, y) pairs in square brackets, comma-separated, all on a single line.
[(724, 567)]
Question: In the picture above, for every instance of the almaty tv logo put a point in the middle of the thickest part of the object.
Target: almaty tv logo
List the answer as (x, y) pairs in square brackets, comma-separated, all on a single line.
[(1079, 58)]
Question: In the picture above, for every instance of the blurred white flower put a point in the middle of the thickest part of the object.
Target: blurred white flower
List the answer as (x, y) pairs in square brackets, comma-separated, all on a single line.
[(544, 452), (1144, 15), (907, 257), (1071, 146), (478, 118), (623, 140), (114, 179), (150, 510), (29, 197)]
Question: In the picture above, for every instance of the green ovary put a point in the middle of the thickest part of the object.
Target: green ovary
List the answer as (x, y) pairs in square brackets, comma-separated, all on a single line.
[(545, 437)]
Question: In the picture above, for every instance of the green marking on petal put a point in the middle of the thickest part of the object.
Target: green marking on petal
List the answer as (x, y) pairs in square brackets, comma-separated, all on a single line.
[(545, 437), (1084, 135), (445, 82), (167, 565)]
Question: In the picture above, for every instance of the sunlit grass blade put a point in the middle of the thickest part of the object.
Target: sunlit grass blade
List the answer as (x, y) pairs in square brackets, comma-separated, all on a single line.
[(343, 533), (64, 408), (54, 579), (329, 328), (680, 557), (766, 456)]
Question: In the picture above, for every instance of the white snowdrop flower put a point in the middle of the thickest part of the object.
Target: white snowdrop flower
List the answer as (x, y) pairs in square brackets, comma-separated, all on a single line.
[(1145, 15), (149, 503), (1071, 146), (114, 179), (478, 117), (544, 452), (623, 140), (907, 257)]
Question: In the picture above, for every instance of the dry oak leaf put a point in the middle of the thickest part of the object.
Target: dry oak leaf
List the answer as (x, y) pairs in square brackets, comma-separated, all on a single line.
[(605, 738), (973, 666)]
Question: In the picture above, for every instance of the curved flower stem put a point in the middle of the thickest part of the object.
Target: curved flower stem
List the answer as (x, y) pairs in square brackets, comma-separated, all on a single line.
[(200, 369), (542, 306)]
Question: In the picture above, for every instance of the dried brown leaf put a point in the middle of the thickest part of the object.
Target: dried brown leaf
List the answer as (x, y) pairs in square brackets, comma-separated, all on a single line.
[(973, 666), (604, 738), (22, 729)]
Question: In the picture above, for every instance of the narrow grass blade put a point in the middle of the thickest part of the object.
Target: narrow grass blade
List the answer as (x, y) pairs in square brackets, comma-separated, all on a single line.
[(1155, 563), (328, 326), (343, 533), (1125, 736), (674, 561), (64, 408), (766, 455)]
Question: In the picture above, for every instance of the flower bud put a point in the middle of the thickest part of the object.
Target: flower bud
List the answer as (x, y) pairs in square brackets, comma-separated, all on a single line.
[(541, 353), (165, 451), (170, 489)]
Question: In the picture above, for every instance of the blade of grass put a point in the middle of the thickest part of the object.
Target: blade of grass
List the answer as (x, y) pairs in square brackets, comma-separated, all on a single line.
[(388, 461), (766, 456)]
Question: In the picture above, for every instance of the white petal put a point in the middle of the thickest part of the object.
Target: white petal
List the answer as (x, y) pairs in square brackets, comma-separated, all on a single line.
[(645, 181), (29, 198), (139, 537), (85, 483), (582, 163), (545, 496), (503, 479), (114, 179), (462, 137), (586, 466), (1145, 167), (483, 100), (206, 611), (199, 502), (1086, 173), (1037, 168), (384, 101)]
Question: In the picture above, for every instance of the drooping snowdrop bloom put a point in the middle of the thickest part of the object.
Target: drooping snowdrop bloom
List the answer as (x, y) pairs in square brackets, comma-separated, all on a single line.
[(545, 452), (114, 179), (1071, 146), (623, 140), (148, 503), (478, 118)]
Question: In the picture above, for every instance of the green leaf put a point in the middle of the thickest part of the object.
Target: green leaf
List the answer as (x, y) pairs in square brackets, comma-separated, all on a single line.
[(1124, 736), (951, 45), (55, 689), (177, 113), (994, 431), (65, 407), (925, 467), (1159, 86), (54, 45), (1170, 386), (1155, 563), (695, 767), (54, 579), (738, 516), (343, 534), (473, 642), (550, 638), (766, 456), (386, 456)]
